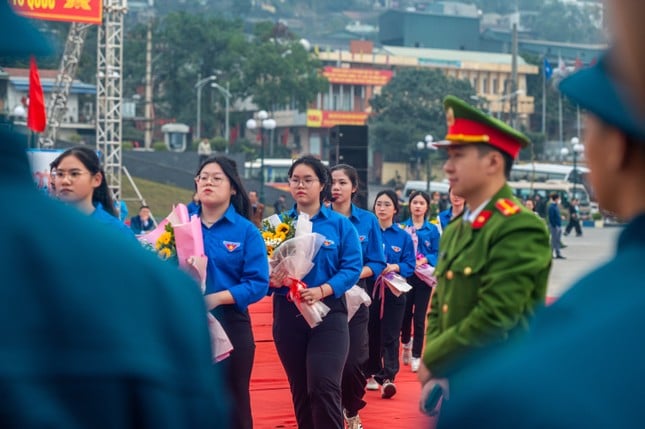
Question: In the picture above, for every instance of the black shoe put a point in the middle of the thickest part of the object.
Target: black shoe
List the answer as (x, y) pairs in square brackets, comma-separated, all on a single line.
[(560, 257), (388, 389)]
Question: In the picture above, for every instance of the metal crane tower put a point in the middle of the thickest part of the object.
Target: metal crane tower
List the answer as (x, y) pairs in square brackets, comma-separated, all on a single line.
[(58, 103), (108, 92)]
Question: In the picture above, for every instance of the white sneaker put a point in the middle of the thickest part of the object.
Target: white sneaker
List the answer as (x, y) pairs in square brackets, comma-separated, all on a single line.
[(371, 384), (352, 422), (407, 352), (415, 364)]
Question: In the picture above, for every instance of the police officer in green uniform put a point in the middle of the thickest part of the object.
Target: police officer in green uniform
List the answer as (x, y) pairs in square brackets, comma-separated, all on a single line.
[(582, 364), (494, 259)]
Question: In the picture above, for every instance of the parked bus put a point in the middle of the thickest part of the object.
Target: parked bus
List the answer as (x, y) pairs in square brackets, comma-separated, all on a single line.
[(524, 190), (275, 169), (539, 172)]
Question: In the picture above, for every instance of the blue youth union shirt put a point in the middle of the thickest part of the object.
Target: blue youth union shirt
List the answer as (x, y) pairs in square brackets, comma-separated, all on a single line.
[(399, 249), (237, 259), (428, 236), (369, 234)]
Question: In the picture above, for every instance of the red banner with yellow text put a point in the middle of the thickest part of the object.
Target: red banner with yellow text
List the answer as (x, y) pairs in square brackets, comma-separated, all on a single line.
[(369, 77), (86, 11), (328, 118)]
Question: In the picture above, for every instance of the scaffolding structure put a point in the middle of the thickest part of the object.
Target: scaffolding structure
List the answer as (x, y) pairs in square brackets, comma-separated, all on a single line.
[(109, 81), (57, 106)]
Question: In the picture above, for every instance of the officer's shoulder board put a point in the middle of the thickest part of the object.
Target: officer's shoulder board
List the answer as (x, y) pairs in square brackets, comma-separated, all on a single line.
[(507, 207)]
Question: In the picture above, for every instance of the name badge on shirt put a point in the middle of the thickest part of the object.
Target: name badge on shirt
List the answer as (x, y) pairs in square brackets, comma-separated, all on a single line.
[(231, 246)]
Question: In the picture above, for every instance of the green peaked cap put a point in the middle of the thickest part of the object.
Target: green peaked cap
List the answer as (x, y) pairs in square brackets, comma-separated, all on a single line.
[(466, 124)]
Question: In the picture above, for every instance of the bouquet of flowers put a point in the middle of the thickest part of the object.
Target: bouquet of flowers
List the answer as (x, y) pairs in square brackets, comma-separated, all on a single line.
[(393, 281), (276, 229), (291, 250), (179, 238), (424, 271)]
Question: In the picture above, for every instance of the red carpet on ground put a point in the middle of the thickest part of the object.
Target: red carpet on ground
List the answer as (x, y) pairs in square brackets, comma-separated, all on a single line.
[(271, 398)]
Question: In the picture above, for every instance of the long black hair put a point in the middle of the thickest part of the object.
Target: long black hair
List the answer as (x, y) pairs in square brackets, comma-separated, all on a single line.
[(423, 195), (89, 159), (240, 199), (350, 172), (321, 171), (391, 195)]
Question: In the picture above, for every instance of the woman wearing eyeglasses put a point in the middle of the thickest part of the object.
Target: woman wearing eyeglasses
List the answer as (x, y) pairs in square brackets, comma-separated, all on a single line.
[(386, 311), (313, 358), (416, 306), (344, 185), (79, 180), (237, 273)]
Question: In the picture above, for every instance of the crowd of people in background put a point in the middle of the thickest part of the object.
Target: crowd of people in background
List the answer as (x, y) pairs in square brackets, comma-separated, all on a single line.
[(488, 349)]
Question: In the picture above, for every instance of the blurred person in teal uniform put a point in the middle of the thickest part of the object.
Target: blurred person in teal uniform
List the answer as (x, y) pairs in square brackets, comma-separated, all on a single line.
[(95, 331), (582, 366)]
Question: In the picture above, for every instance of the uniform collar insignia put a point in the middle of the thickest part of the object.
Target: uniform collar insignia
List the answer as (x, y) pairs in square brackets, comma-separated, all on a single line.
[(506, 206), (481, 219)]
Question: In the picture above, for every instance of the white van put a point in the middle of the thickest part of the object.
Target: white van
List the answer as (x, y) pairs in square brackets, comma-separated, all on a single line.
[(422, 185)]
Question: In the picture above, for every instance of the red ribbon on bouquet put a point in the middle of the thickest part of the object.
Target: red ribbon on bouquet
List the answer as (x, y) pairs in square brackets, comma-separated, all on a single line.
[(295, 286), (380, 285)]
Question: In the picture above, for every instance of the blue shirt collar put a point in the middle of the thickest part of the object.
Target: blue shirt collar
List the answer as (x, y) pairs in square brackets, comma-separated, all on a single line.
[(324, 212), (230, 214)]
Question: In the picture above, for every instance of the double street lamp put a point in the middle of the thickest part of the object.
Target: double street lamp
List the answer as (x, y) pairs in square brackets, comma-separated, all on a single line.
[(199, 86), (577, 149), (427, 145), (266, 123)]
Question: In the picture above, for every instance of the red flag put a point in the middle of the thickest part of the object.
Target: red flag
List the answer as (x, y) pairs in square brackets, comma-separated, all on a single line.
[(36, 119)]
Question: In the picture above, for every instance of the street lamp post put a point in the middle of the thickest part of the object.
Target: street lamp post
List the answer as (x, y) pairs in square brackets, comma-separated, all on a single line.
[(264, 122), (427, 144), (227, 95), (577, 149), (198, 86)]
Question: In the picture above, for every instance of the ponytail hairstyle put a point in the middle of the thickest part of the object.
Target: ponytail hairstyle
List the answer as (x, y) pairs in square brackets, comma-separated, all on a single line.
[(89, 159)]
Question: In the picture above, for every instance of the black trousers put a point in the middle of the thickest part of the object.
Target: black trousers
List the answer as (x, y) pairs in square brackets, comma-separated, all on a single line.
[(383, 362), (416, 309), (236, 369), (354, 380), (573, 223), (313, 359)]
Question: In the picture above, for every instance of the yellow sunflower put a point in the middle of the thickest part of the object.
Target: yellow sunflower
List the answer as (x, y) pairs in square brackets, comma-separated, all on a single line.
[(165, 253), (280, 236), (270, 251), (283, 228)]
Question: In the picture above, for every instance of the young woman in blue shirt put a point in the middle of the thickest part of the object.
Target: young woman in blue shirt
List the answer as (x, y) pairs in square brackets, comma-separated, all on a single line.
[(313, 358), (344, 185), (79, 181), (237, 273), (416, 306), (387, 310)]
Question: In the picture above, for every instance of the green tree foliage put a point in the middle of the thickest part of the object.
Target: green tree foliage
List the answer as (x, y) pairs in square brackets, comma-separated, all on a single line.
[(278, 71), (409, 107), (562, 22)]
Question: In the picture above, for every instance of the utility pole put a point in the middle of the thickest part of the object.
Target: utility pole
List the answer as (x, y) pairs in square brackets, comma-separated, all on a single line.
[(147, 137), (514, 103)]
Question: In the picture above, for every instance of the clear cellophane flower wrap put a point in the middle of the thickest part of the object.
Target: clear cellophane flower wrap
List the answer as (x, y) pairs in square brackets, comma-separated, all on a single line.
[(393, 281), (425, 272), (355, 297), (192, 259), (294, 257)]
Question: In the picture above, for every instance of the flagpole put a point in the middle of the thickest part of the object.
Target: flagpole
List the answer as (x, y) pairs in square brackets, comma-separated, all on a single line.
[(560, 120), (543, 99)]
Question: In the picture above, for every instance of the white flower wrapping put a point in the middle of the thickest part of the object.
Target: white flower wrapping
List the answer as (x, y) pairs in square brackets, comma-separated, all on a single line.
[(294, 258), (355, 297), (425, 272)]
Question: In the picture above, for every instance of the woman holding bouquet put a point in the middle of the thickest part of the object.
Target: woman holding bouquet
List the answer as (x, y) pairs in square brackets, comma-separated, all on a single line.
[(237, 272), (416, 306), (386, 311), (344, 185), (313, 358), (79, 181)]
